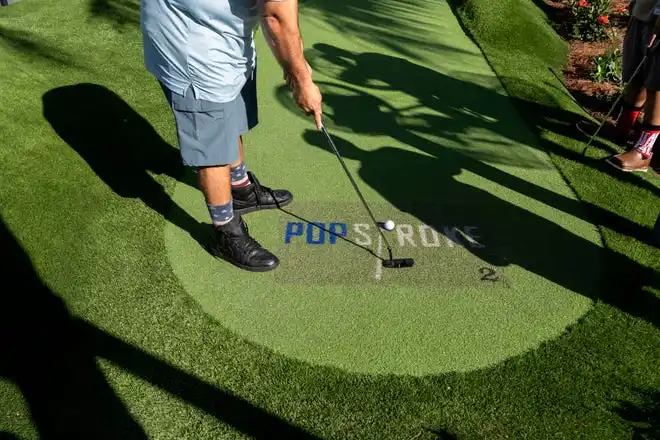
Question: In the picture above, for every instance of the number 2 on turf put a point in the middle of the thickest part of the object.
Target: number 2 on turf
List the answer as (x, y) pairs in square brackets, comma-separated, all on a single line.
[(488, 274)]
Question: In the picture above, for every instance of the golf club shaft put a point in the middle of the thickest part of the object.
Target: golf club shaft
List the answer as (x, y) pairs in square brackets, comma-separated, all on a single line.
[(357, 190), (602, 124), (341, 237), (651, 48), (607, 117)]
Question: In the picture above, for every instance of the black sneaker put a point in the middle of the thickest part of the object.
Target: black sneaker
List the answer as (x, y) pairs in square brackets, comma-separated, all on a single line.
[(234, 244), (254, 197)]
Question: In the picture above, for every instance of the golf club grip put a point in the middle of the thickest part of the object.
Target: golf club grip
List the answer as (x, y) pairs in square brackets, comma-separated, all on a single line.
[(355, 186)]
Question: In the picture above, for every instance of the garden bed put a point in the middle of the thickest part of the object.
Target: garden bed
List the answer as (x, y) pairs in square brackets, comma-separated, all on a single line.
[(595, 95)]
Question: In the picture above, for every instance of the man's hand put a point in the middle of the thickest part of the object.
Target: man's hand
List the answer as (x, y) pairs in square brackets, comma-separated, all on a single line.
[(307, 96), (309, 99), (279, 19)]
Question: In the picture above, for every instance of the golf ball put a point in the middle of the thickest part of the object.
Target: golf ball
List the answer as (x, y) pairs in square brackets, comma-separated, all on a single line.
[(388, 225)]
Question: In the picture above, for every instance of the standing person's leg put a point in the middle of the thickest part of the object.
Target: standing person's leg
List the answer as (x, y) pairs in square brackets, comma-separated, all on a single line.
[(639, 158), (634, 49), (207, 134), (214, 182), (634, 95), (633, 103), (247, 193), (239, 172)]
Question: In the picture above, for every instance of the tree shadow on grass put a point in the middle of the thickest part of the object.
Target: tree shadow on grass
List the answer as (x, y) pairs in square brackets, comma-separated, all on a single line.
[(122, 148), (508, 234), (29, 44), (51, 356), (511, 235), (402, 26), (119, 12), (642, 416), (8, 436), (44, 353), (441, 434), (447, 109)]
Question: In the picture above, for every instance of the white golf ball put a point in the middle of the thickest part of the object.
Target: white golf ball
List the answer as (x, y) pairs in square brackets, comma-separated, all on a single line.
[(388, 225)]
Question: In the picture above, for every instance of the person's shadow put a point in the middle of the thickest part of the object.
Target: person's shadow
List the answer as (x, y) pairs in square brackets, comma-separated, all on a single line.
[(121, 147)]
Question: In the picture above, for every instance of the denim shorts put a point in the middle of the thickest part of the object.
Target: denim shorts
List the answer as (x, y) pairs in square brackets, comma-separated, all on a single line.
[(208, 131)]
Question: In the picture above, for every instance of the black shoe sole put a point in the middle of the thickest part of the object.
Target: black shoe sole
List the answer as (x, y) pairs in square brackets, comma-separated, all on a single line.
[(209, 249), (244, 267), (243, 211), (254, 269)]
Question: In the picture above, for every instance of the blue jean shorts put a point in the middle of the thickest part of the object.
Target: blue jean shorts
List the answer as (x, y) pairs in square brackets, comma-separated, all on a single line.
[(208, 131)]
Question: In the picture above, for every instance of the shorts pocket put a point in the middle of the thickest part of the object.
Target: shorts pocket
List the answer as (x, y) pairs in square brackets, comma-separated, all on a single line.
[(198, 106), (202, 130), (199, 119), (210, 128)]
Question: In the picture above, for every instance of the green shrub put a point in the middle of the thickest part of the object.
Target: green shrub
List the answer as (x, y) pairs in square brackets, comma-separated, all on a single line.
[(607, 67), (590, 19)]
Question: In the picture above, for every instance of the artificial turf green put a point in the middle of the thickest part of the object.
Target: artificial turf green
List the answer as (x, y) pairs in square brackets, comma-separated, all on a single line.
[(436, 144), (128, 354)]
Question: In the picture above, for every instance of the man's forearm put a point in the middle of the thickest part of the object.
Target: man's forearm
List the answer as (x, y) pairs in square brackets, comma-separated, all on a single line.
[(279, 20)]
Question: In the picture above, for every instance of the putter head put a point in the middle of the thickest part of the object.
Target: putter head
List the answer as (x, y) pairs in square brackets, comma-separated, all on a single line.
[(398, 263)]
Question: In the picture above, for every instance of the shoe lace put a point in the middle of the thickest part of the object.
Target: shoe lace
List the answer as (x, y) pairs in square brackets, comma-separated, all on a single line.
[(259, 189), (246, 241)]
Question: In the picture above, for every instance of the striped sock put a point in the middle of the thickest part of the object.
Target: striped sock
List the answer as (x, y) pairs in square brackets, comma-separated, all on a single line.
[(647, 140), (221, 214), (239, 176)]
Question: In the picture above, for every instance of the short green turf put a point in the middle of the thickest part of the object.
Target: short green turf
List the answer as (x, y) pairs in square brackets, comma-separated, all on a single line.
[(436, 145), (101, 340)]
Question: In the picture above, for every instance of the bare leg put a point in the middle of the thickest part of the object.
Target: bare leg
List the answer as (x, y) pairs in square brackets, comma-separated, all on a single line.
[(232, 242), (241, 157), (248, 195), (215, 183), (239, 176), (634, 95)]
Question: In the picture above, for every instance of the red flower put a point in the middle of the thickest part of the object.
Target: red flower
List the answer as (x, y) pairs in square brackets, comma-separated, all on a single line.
[(603, 19), (623, 10), (584, 3)]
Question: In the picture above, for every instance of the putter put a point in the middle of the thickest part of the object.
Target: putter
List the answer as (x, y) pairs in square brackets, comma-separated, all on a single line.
[(391, 262), (651, 48)]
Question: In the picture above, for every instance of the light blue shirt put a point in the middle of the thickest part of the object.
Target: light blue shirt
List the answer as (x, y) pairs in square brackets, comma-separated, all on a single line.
[(206, 44)]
